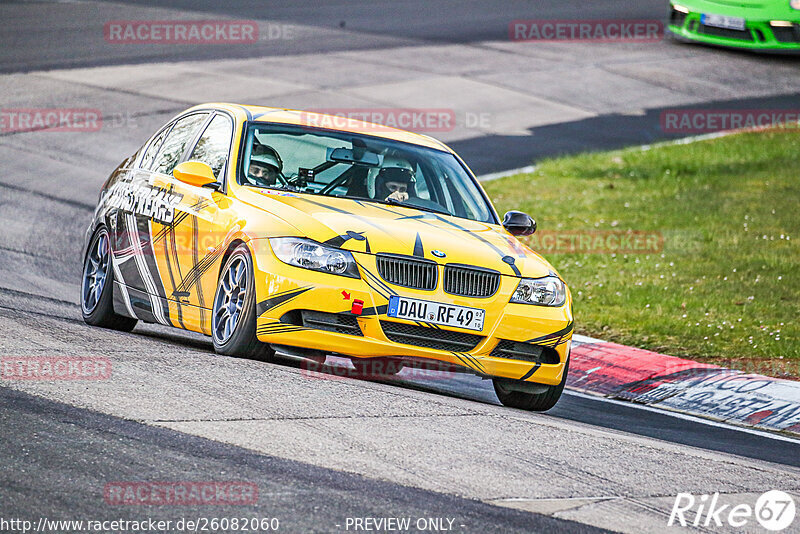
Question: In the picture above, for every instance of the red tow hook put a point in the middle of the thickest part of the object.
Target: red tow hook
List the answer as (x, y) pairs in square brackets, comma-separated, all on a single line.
[(358, 307)]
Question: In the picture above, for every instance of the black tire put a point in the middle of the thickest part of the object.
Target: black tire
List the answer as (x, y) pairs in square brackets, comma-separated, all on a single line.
[(376, 367), (240, 339), (533, 402), (97, 300)]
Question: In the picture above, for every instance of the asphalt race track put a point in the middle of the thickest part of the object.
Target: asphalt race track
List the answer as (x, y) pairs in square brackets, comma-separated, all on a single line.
[(322, 449)]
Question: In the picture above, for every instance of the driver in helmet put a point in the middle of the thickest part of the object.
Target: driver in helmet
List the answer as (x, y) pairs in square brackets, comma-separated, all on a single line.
[(395, 181), (264, 169)]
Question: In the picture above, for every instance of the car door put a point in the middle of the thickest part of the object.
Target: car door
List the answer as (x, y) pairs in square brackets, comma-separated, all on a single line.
[(188, 247), (153, 202)]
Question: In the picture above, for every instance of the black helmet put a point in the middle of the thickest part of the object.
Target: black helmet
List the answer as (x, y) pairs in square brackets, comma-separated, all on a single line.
[(266, 155), (394, 170)]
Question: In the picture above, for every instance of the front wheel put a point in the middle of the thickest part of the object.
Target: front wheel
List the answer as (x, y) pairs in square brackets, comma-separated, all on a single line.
[(97, 286), (510, 393), (233, 319)]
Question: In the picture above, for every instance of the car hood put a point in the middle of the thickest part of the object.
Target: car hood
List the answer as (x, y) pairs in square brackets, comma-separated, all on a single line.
[(377, 228)]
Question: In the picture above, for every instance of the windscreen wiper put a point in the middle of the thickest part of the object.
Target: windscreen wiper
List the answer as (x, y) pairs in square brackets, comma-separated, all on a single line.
[(394, 202)]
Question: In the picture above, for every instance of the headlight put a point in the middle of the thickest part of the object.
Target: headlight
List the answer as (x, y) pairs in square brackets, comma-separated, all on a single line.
[(547, 291), (309, 254), (794, 4)]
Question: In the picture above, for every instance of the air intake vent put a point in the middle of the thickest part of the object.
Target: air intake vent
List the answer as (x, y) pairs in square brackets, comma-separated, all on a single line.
[(677, 18), (342, 323), (432, 338), (470, 281), (728, 33), (787, 34), (528, 352), (407, 271)]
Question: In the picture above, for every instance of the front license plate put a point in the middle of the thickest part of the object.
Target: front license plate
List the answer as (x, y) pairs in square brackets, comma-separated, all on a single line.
[(436, 313), (723, 21)]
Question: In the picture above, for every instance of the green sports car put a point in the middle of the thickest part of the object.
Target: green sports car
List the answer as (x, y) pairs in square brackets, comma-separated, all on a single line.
[(772, 25)]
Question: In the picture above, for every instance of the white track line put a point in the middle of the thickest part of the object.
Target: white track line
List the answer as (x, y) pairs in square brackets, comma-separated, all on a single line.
[(503, 174), (585, 339), (682, 141), (687, 417)]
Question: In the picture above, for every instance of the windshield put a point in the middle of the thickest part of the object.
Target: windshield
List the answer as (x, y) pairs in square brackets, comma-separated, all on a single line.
[(360, 167)]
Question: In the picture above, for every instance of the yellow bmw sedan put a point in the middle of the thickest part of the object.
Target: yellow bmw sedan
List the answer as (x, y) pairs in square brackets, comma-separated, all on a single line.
[(271, 229)]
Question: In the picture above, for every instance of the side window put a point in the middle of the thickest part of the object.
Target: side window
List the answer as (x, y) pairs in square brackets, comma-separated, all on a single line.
[(175, 143), (152, 150), (212, 147)]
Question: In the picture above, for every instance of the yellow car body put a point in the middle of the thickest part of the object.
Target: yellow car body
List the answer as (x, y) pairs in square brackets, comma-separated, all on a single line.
[(170, 239)]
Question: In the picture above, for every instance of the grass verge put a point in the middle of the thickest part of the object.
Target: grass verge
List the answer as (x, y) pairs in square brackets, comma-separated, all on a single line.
[(720, 284)]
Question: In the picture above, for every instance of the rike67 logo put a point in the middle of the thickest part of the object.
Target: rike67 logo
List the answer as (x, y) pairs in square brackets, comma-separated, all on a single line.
[(773, 510)]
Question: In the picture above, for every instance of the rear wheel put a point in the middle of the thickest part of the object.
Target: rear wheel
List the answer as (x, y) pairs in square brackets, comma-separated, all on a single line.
[(512, 393), (233, 320), (97, 286)]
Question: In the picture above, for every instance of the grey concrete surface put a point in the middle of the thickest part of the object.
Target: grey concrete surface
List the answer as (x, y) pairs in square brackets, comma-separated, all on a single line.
[(513, 102), (58, 460), (450, 444), (70, 34), (605, 466)]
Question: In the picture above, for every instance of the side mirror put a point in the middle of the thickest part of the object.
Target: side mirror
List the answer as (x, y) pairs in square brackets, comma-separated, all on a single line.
[(196, 173), (518, 223)]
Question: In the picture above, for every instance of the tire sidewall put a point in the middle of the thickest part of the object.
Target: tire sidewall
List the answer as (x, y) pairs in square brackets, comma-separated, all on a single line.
[(539, 402), (104, 306), (243, 335)]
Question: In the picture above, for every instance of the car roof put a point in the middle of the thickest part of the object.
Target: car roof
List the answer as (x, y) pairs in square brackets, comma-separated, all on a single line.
[(325, 121)]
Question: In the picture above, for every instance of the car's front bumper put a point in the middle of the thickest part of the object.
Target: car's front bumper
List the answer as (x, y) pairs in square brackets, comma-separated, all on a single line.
[(284, 292), (759, 33)]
